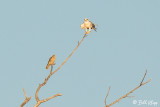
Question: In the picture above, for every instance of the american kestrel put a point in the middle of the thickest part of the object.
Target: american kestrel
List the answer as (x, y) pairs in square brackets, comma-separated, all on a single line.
[(88, 25), (51, 61)]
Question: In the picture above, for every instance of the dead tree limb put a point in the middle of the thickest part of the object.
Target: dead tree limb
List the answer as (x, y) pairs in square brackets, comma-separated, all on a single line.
[(51, 73), (126, 95), (107, 95), (36, 95), (70, 54), (26, 99)]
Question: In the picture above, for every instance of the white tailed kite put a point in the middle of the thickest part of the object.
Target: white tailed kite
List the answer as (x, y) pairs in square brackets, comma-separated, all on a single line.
[(88, 25)]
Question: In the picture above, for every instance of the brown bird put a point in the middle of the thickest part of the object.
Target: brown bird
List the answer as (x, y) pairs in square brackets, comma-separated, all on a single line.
[(51, 61)]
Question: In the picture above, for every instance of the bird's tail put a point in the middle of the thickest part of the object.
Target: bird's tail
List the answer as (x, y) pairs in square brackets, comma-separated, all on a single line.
[(95, 29), (94, 26), (47, 66)]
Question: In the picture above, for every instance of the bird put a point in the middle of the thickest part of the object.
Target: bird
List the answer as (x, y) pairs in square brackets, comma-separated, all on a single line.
[(88, 25), (51, 61)]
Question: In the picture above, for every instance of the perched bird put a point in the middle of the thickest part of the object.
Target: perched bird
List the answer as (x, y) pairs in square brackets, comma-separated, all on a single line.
[(88, 25), (51, 61)]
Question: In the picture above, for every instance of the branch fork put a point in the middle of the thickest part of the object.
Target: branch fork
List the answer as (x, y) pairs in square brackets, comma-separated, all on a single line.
[(26, 99), (126, 95), (51, 73)]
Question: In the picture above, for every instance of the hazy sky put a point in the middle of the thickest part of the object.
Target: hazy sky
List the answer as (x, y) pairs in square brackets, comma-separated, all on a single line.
[(127, 42)]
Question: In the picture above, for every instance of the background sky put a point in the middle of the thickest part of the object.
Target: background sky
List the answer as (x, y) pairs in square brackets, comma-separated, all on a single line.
[(127, 42)]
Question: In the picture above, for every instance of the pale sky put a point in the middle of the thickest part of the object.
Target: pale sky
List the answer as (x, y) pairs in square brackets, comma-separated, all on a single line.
[(127, 42)]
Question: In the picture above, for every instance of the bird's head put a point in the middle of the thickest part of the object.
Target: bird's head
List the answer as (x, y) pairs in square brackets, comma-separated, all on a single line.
[(85, 19)]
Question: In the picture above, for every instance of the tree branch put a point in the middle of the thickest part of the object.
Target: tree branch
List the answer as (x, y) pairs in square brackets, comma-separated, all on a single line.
[(51, 73), (26, 99), (51, 97), (143, 77), (70, 54), (126, 95), (107, 96)]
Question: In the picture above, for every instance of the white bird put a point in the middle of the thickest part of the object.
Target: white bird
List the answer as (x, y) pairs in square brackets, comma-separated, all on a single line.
[(88, 25)]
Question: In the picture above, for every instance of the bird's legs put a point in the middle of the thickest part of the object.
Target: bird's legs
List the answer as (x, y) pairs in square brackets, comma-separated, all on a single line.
[(87, 32)]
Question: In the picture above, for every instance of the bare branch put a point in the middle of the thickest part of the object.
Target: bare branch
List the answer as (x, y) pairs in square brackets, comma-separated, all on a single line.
[(130, 96), (40, 85), (24, 92), (51, 97), (42, 101), (26, 99), (107, 96), (51, 73), (70, 54), (143, 77), (126, 95)]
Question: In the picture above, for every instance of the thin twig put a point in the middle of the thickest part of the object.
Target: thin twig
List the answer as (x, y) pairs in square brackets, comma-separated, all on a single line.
[(51, 97), (126, 95), (107, 96), (51, 73), (26, 99), (143, 77), (130, 96), (24, 93)]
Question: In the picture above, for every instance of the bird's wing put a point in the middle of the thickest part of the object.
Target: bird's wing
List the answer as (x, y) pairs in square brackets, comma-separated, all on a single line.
[(82, 26), (93, 26)]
